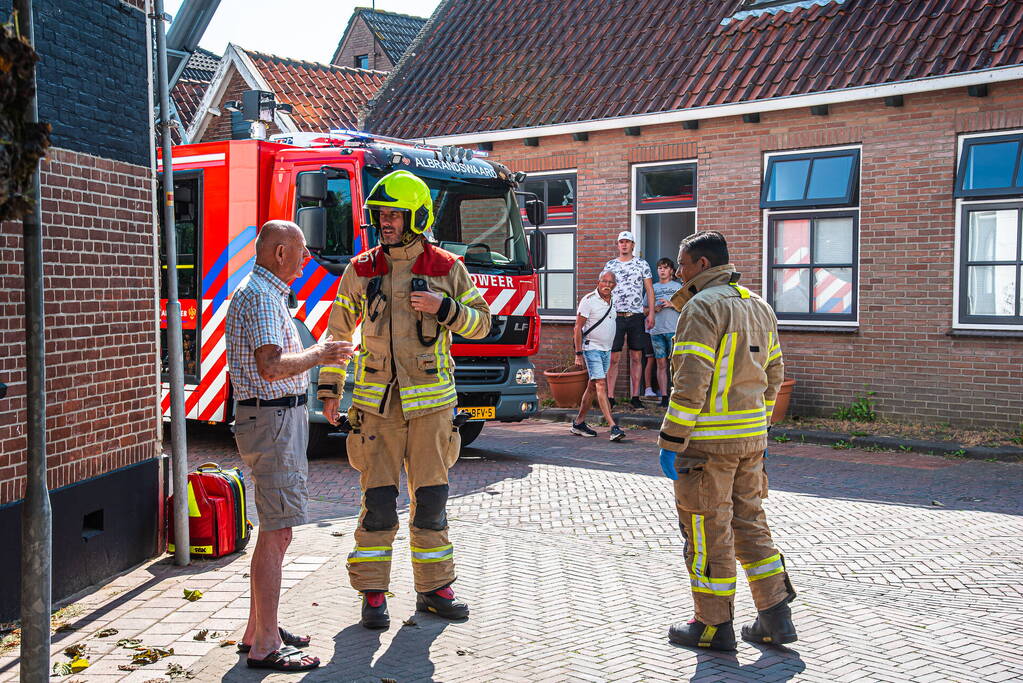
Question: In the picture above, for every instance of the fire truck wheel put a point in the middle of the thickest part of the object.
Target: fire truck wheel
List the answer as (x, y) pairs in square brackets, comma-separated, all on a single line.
[(469, 431), (321, 445)]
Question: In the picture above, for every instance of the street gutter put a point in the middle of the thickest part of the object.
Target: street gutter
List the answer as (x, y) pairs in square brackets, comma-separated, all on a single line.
[(999, 453)]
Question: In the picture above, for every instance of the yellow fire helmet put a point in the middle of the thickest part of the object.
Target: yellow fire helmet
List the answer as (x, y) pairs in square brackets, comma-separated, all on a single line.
[(405, 192)]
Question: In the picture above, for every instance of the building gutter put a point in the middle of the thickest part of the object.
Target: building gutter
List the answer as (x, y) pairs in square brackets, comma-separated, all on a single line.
[(920, 85)]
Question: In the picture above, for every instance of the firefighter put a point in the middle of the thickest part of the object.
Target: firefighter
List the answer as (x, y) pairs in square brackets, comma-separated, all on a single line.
[(727, 368), (410, 296)]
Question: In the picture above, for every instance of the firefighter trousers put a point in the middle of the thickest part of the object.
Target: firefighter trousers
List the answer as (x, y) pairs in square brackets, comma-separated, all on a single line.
[(426, 446), (718, 497)]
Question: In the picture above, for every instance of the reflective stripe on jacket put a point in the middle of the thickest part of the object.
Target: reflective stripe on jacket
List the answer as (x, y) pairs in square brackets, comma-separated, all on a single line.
[(726, 366), (391, 357)]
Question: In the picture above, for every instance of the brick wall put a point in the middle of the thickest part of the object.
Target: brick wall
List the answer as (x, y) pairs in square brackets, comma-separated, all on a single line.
[(902, 349), (101, 387), (219, 127), (360, 41)]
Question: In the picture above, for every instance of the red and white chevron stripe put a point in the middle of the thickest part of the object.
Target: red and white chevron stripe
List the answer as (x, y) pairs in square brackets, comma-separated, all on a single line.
[(208, 399)]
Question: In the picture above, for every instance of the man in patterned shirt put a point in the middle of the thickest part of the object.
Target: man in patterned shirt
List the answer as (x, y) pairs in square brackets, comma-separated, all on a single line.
[(268, 371), (634, 294)]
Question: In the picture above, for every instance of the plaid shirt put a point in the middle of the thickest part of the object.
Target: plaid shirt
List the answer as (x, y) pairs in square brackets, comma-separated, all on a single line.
[(258, 315)]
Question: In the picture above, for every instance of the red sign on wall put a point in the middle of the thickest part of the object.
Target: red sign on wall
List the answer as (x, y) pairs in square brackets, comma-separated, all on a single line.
[(189, 313)]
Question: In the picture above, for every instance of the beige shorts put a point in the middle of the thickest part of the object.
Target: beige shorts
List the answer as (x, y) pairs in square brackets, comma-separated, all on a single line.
[(272, 443)]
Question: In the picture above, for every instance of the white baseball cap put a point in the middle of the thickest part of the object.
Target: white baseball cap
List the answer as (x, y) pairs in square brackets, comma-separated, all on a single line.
[(626, 235)]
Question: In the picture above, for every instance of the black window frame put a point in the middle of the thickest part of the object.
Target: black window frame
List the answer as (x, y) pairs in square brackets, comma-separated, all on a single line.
[(200, 217), (323, 256), (557, 227), (357, 61), (964, 263), (811, 265), (989, 192), (643, 170), (850, 198)]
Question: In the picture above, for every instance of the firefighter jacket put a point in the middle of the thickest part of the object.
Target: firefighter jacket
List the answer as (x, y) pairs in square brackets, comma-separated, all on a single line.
[(726, 366), (392, 356)]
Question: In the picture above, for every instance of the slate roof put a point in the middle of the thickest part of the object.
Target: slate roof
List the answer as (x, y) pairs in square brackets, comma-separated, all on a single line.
[(323, 96), (395, 32), (484, 65), (192, 84)]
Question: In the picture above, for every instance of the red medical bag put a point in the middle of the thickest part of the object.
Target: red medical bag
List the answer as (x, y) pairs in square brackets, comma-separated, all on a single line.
[(217, 524)]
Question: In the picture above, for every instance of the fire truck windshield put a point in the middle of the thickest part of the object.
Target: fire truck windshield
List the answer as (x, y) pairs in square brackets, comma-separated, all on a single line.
[(480, 223)]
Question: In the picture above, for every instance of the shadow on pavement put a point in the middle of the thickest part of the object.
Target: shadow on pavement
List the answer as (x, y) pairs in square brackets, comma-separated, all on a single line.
[(785, 664)]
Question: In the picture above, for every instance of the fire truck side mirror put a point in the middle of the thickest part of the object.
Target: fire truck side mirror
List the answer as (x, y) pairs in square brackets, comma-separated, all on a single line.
[(313, 222), (538, 248), (312, 186), (536, 211)]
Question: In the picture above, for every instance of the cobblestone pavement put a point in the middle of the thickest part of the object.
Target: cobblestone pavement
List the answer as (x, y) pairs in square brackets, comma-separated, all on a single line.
[(908, 567)]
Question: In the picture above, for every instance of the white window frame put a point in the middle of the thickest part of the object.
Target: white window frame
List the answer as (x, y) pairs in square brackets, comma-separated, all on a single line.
[(768, 214), (575, 245), (636, 215)]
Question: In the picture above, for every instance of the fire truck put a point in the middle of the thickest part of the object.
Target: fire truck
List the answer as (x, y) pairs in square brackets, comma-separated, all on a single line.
[(224, 190)]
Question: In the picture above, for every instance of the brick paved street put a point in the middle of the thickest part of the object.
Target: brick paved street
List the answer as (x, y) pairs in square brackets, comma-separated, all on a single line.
[(909, 568)]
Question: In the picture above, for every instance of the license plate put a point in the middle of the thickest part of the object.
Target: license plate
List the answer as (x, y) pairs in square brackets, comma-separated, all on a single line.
[(480, 412)]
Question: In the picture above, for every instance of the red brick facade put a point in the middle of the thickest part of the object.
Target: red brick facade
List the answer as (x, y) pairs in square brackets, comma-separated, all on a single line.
[(100, 323), (361, 41), (903, 348)]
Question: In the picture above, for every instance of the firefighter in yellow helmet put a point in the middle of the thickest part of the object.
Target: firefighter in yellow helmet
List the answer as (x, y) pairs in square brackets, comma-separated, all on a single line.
[(409, 296)]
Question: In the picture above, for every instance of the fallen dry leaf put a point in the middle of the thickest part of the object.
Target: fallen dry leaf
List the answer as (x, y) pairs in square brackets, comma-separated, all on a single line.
[(130, 643), (228, 643), (107, 632), (338, 534), (151, 654), (75, 651), (192, 594), (127, 667)]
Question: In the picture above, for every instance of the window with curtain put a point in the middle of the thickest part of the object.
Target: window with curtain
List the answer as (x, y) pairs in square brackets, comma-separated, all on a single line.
[(557, 278), (991, 264)]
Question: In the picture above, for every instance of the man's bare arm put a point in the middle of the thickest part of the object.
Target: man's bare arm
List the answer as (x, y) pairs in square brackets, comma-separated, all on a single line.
[(273, 364)]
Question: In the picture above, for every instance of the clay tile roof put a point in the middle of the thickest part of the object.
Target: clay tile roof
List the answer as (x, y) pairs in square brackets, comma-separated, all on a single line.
[(394, 31), (192, 84), (485, 65), (323, 96)]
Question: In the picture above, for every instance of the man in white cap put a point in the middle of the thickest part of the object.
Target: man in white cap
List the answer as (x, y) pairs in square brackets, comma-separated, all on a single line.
[(634, 293)]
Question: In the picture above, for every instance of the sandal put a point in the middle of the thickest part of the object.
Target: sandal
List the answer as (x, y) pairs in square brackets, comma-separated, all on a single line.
[(287, 637), (285, 659)]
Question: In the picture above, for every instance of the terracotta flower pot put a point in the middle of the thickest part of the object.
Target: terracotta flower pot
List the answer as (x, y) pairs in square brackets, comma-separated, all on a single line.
[(567, 387), (781, 405)]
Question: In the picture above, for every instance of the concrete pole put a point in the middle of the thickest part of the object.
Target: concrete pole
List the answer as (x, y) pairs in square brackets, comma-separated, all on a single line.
[(176, 357), (36, 517)]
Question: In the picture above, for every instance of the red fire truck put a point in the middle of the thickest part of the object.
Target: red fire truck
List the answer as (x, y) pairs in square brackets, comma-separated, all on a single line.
[(224, 190)]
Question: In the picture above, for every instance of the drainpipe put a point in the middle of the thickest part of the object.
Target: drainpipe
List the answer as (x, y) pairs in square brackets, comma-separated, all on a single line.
[(176, 357), (36, 517)]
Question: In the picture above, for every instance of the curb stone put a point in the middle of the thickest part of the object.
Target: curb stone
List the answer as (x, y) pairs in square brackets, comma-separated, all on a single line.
[(999, 453)]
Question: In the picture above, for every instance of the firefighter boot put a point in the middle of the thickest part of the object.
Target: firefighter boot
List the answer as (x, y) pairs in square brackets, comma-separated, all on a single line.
[(773, 626), (374, 610), (695, 633), (443, 603)]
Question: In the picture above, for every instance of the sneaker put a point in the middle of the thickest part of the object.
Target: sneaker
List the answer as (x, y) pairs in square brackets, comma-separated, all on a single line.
[(374, 610), (635, 402), (443, 603), (650, 393), (664, 401), (617, 434), (582, 429)]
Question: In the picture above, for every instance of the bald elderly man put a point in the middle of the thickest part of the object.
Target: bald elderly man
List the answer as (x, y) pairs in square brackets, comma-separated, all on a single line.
[(268, 371)]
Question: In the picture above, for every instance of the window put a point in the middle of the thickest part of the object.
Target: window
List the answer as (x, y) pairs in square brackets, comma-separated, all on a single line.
[(991, 264), (990, 166), (665, 187), (239, 126), (361, 61), (557, 278), (812, 272), (812, 256), (187, 229), (811, 180), (340, 237)]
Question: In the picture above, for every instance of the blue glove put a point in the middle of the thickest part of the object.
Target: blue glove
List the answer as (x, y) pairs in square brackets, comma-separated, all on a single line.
[(668, 463)]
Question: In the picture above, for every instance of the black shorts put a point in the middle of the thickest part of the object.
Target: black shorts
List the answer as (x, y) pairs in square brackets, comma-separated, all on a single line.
[(633, 326)]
